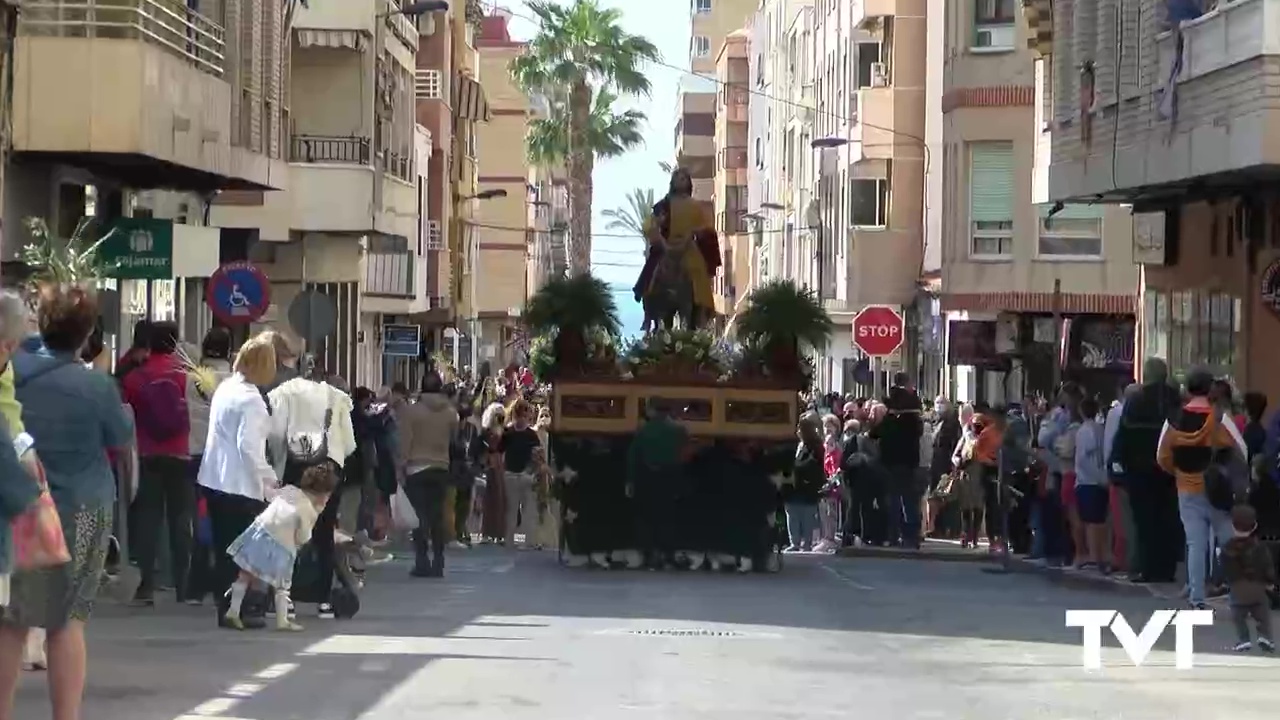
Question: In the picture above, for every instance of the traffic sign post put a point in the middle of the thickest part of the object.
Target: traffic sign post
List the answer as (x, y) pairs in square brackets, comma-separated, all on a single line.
[(878, 330), (238, 293)]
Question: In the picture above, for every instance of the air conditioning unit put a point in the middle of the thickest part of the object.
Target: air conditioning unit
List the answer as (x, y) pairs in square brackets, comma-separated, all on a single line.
[(879, 75), (995, 37)]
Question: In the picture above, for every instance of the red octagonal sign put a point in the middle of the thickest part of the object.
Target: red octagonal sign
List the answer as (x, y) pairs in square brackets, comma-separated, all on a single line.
[(877, 330)]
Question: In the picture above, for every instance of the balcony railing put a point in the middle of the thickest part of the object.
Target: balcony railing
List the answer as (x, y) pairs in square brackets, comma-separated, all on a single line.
[(389, 274), (326, 149), (169, 24), (733, 158), (398, 165), (435, 238), (428, 84), (735, 95)]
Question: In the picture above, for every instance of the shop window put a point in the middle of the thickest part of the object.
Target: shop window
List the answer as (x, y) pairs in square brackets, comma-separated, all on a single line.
[(1190, 329)]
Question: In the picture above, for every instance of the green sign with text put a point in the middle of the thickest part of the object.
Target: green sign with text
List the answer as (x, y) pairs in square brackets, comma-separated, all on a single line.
[(138, 249)]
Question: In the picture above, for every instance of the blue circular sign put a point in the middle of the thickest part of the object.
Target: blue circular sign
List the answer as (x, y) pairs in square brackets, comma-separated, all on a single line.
[(238, 293)]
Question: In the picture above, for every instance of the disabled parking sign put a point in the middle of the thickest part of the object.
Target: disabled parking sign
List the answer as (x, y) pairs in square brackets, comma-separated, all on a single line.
[(238, 293)]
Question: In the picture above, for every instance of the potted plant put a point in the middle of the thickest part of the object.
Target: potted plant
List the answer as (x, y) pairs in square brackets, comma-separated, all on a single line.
[(572, 311), (780, 321)]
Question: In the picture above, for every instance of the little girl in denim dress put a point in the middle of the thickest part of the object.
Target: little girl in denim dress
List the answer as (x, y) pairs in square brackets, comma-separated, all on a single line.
[(267, 550)]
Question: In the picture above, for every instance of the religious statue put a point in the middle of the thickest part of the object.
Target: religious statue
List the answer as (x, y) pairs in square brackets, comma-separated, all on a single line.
[(683, 256)]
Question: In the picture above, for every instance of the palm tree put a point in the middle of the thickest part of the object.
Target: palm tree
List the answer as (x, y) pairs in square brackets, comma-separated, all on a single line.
[(632, 217), (582, 60)]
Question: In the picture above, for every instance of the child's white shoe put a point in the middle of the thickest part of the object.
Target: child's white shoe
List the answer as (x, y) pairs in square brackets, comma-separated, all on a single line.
[(746, 565), (288, 626)]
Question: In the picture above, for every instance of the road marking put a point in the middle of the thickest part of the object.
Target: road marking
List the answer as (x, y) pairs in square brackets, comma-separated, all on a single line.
[(846, 579)]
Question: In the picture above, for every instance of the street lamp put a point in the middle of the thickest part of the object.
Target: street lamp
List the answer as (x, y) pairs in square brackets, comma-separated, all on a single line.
[(415, 9), (826, 143)]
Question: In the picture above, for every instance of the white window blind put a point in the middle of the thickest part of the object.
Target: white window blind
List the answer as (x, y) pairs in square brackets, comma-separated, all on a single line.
[(991, 189), (1075, 231)]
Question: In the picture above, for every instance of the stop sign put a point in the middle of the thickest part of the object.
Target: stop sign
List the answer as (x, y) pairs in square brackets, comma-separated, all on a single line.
[(877, 330)]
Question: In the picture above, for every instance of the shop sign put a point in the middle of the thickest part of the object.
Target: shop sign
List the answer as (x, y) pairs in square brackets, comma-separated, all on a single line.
[(138, 249), (1271, 286)]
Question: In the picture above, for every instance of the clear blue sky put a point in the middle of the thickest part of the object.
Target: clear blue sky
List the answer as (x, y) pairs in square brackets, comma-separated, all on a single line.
[(666, 24)]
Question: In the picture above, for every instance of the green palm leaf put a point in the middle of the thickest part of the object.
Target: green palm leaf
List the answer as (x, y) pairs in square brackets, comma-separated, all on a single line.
[(631, 218)]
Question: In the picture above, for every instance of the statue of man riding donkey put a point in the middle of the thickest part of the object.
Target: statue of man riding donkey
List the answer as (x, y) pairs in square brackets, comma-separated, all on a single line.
[(683, 256)]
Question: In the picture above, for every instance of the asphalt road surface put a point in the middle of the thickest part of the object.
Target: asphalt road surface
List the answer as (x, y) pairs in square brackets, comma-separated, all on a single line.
[(510, 636)]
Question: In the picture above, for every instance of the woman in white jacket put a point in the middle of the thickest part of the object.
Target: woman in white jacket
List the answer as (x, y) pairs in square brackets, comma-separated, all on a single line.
[(312, 423), (234, 474)]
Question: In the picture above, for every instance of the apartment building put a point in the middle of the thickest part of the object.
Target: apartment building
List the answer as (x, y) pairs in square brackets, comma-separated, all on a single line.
[(111, 100), (450, 103), (733, 73), (711, 22), (1009, 260), (775, 92), (1177, 125), (346, 229), (506, 225)]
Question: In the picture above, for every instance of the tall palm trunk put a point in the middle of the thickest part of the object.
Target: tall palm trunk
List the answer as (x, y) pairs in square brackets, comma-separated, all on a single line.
[(579, 170)]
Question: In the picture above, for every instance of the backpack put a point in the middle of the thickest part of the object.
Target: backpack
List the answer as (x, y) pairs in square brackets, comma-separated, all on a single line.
[(1226, 474), (161, 407), (309, 448)]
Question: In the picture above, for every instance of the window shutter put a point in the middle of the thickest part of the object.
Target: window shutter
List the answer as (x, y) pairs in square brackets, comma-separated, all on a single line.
[(1075, 211), (991, 182)]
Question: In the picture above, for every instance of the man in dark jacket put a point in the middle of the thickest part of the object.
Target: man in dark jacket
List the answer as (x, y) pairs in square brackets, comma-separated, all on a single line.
[(1152, 495), (899, 439)]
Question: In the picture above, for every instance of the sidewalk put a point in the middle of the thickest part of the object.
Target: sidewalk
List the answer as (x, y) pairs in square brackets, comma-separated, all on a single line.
[(950, 551)]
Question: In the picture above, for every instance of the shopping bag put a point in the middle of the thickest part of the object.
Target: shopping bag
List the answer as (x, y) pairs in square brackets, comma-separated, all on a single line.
[(38, 541), (402, 513)]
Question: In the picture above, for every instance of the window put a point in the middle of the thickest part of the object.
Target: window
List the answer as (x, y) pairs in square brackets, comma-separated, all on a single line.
[(702, 7), (1074, 232), (993, 26), (991, 186), (868, 55), (1191, 328), (701, 46), (869, 203), (1046, 93)]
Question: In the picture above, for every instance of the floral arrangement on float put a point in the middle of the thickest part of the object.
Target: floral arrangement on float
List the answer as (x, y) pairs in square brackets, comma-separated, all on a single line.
[(679, 355), (574, 326)]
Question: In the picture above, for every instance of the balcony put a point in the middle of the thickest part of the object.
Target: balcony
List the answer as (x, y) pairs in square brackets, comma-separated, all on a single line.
[(1224, 122), (332, 182), (873, 10), (327, 149), (388, 268), (733, 158), (734, 101), (884, 267), (428, 84), (886, 119), (731, 222), (133, 89)]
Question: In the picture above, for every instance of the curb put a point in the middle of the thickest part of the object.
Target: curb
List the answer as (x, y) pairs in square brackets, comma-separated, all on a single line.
[(883, 553), (1056, 576)]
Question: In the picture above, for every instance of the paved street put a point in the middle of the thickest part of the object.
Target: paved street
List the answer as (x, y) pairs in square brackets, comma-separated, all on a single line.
[(512, 637)]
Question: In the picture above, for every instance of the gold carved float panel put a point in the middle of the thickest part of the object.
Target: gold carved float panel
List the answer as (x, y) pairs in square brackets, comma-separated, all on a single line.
[(708, 411)]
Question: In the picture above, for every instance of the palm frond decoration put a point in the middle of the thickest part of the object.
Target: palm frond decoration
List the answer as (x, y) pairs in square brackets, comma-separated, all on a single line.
[(57, 261), (632, 217), (203, 376)]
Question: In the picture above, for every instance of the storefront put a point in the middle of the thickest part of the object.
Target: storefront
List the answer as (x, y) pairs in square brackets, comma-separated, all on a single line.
[(1207, 267)]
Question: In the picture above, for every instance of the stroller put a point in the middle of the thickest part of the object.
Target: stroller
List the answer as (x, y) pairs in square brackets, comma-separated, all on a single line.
[(348, 570)]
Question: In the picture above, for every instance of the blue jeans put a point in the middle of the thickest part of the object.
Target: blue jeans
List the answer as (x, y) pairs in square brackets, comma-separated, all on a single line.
[(802, 521), (1200, 522)]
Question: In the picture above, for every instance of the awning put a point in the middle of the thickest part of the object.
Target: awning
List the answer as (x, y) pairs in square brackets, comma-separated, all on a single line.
[(335, 39), (469, 102), (1038, 15)]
